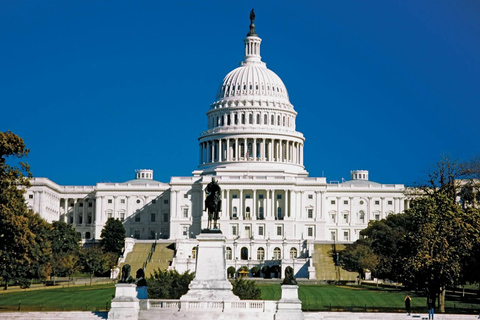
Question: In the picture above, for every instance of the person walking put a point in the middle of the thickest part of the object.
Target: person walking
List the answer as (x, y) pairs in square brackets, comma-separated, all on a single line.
[(430, 307), (408, 304)]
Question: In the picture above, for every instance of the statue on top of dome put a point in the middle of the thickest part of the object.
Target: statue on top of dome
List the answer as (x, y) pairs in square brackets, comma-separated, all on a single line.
[(252, 31)]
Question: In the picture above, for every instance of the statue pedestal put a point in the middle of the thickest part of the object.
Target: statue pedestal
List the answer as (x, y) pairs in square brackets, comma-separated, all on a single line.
[(211, 282), (289, 307), (125, 305)]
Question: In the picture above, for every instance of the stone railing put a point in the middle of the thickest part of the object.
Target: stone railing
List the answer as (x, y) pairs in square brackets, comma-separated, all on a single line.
[(244, 305)]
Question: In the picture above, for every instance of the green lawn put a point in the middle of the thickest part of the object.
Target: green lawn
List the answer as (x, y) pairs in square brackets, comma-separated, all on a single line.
[(86, 298), (314, 298)]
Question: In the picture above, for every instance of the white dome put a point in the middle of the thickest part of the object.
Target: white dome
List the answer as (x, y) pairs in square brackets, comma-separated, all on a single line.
[(252, 80)]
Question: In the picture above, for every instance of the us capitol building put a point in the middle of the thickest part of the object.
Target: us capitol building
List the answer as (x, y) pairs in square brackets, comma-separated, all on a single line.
[(272, 211)]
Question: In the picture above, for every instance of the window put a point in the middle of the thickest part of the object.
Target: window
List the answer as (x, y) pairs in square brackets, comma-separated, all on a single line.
[(89, 218), (165, 217), (377, 202), (345, 217), (247, 196), (137, 217), (30, 196), (235, 213), (390, 202), (279, 213), (333, 235), (109, 200), (87, 235), (361, 202), (136, 234), (260, 230), (346, 236), (185, 195), (110, 214), (332, 202), (361, 216), (333, 217), (310, 196), (122, 216), (260, 253), (154, 201), (165, 201), (80, 204), (194, 253), (244, 253), (122, 200), (377, 217), (260, 196), (248, 232), (234, 230), (185, 230), (234, 196), (310, 231), (185, 212), (345, 201), (277, 254), (293, 253), (90, 204), (152, 217), (310, 213), (138, 201), (279, 196), (229, 253), (279, 230)]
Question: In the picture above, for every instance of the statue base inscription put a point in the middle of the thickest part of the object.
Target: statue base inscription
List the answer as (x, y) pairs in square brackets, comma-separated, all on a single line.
[(211, 282)]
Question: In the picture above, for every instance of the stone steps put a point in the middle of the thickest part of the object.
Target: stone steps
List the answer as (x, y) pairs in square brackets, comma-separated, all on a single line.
[(80, 315)]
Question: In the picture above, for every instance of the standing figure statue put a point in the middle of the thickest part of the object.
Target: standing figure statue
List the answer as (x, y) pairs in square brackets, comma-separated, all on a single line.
[(213, 203)]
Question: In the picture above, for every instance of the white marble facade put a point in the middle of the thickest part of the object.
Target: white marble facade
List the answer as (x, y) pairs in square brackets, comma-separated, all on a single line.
[(271, 208)]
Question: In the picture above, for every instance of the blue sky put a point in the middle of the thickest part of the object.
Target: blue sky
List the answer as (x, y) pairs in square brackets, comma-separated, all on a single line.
[(98, 89)]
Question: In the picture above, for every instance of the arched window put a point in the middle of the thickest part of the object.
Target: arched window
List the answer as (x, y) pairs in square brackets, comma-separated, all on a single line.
[(293, 253), (229, 253), (272, 120), (194, 252), (278, 120), (260, 253), (222, 121), (244, 253), (228, 120), (250, 118), (284, 121), (265, 119), (258, 118), (243, 118), (249, 150), (361, 216), (247, 213), (277, 254), (235, 213)]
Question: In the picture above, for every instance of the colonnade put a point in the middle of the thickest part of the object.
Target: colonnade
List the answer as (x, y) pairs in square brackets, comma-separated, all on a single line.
[(251, 149)]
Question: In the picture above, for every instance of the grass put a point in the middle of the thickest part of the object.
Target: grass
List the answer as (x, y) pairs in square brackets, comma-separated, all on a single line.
[(313, 297), (86, 298)]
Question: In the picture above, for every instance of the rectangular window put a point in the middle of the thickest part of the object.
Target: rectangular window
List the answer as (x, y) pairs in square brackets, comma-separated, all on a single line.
[(377, 202), (185, 195), (137, 217), (279, 196), (310, 231), (345, 201), (279, 230), (260, 196), (333, 216), (310, 213), (185, 212), (80, 204), (154, 201), (332, 202), (122, 200), (377, 217), (247, 196), (185, 230), (165, 217), (260, 230), (234, 196), (390, 202), (346, 236), (345, 218), (30, 196), (362, 217), (122, 216), (234, 230), (109, 200), (310, 196), (165, 201), (90, 204), (333, 235), (152, 217)]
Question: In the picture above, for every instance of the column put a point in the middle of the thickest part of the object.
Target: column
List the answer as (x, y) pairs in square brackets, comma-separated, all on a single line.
[(114, 207), (237, 149), (262, 149), (240, 206), (287, 209), (127, 213), (212, 151), (254, 209), (280, 156), (227, 203), (254, 147), (274, 211), (65, 210)]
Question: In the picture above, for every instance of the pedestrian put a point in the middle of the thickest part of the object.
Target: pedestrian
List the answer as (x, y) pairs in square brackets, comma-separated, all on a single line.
[(408, 306), (430, 307)]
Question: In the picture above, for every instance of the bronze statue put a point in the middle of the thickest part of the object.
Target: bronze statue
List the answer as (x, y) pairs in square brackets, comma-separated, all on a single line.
[(289, 277), (252, 16), (125, 274), (252, 31), (213, 203), (140, 278)]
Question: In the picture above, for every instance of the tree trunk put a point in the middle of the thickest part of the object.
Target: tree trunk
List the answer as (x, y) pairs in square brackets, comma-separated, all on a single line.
[(91, 275), (441, 300)]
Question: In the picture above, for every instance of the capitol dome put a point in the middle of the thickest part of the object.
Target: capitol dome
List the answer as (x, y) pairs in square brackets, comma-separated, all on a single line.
[(251, 123)]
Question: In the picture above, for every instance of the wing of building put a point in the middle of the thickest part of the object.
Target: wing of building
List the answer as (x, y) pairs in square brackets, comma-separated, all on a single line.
[(272, 210)]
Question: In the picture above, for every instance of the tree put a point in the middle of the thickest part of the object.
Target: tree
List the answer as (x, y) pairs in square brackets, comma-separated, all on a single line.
[(94, 261), (113, 236), (246, 289), (65, 248), (16, 238), (169, 284), (442, 237), (358, 257)]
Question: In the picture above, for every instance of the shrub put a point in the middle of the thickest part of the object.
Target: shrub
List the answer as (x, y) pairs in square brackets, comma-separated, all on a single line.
[(246, 289), (169, 284), (231, 272)]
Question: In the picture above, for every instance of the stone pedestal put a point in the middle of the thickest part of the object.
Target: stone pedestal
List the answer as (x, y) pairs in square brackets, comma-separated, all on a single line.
[(125, 305), (211, 282), (289, 307)]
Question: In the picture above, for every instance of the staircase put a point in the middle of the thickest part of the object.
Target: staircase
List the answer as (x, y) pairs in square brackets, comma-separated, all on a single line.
[(161, 258), (324, 264), (137, 257), (149, 256)]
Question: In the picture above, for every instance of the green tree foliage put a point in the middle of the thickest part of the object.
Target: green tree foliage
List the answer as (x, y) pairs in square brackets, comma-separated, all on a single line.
[(231, 272), (168, 284), (442, 237), (42, 250), (113, 236), (359, 257), (246, 289), (17, 241), (65, 248), (94, 261)]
